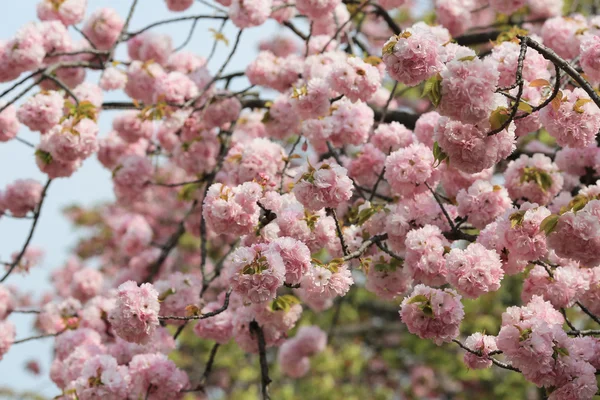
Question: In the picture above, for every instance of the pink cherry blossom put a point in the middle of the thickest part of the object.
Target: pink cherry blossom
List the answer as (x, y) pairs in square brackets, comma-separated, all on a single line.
[(432, 313), (135, 316)]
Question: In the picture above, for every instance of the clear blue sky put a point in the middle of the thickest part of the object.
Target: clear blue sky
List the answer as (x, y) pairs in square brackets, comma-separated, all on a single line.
[(91, 184)]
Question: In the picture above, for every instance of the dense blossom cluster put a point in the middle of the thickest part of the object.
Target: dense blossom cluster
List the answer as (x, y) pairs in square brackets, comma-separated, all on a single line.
[(240, 215)]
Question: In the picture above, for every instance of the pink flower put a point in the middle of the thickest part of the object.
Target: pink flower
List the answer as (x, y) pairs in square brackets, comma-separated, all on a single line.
[(248, 13), (387, 278), (131, 127), (25, 52), (150, 46), (535, 179), (562, 289), (131, 176), (52, 167), (69, 12), (455, 15), (482, 203), (575, 123), (522, 234), (591, 297), (326, 282), (424, 260), (355, 79), (562, 34), (9, 123), (102, 377), (174, 87), (135, 315), (259, 159), (221, 112), (156, 377), (482, 343), (392, 136), (103, 28), (7, 302), (293, 354), (410, 169), (219, 327), (22, 196), (41, 111), (296, 258), (179, 5), (57, 316), (133, 233), (506, 56), (278, 73), (111, 148), (467, 89), (7, 336), (412, 57), (68, 143), (232, 210), (325, 186), (87, 283), (475, 270), (113, 79), (590, 57), (311, 100), (432, 313), (506, 6), (141, 80), (176, 292), (469, 148), (70, 339), (576, 235), (315, 9), (350, 122), (367, 166), (256, 272)]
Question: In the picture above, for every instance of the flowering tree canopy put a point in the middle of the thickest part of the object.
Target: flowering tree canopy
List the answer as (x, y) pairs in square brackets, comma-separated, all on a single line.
[(397, 186)]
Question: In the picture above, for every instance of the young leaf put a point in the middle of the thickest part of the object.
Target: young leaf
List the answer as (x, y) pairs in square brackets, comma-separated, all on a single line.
[(549, 224)]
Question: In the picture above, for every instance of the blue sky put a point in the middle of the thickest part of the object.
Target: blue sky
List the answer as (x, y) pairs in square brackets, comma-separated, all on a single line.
[(91, 184)]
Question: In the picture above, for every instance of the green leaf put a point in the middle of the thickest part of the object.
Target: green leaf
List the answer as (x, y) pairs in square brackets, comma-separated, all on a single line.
[(525, 107), (163, 296), (516, 219), (187, 192), (283, 303), (438, 154), (549, 224), (467, 58), (578, 203), (433, 89), (499, 117), (578, 106), (420, 298)]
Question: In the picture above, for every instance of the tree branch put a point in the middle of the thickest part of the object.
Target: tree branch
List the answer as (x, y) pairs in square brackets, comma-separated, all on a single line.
[(36, 217)]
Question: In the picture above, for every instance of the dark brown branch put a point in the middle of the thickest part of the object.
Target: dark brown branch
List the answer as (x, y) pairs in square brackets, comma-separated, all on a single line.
[(202, 316), (287, 162), (495, 361), (364, 246), (168, 21), (331, 212), (255, 329), (550, 55), (36, 218), (588, 312), (519, 82)]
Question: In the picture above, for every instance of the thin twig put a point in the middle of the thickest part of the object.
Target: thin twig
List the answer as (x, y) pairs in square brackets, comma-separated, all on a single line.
[(36, 218), (202, 316), (287, 162), (520, 83), (550, 55), (338, 229), (364, 246), (255, 329)]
